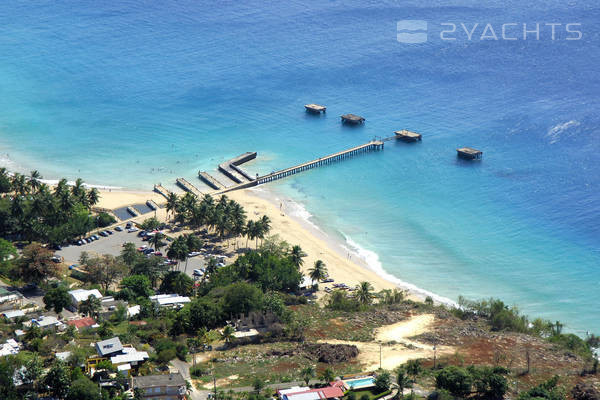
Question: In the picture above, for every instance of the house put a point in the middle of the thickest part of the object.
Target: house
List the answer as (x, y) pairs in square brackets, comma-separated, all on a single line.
[(109, 305), (109, 347), (79, 295), (163, 387), (10, 314), (81, 323), (328, 392), (48, 322), (124, 358), (11, 347), (8, 297), (170, 300), (63, 356)]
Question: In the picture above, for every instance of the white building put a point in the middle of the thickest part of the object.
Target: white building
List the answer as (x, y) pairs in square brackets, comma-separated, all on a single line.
[(11, 347), (48, 322), (10, 314), (170, 300), (79, 295)]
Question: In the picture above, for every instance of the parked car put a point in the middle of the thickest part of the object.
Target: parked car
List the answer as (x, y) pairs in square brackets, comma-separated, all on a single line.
[(158, 253), (142, 248), (194, 254), (109, 232), (198, 272), (95, 237), (128, 225), (119, 229), (132, 230), (72, 266), (80, 242), (220, 265), (328, 280), (56, 259), (103, 234)]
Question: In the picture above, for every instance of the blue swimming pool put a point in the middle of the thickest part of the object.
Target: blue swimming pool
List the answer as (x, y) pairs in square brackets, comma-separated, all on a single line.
[(360, 383)]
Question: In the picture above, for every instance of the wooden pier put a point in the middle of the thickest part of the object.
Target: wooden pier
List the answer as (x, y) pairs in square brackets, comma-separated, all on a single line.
[(188, 187), (152, 205), (315, 108), (133, 211), (352, 119), (210, 180), (342, 155), (408, 136), (162, 191), (232, 170), (469, 153)]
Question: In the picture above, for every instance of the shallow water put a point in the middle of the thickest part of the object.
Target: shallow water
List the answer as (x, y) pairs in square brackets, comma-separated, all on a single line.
[(132, 95)]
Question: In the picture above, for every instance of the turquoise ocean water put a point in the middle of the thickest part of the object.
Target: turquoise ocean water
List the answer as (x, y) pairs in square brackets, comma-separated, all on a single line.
[(136, 93)]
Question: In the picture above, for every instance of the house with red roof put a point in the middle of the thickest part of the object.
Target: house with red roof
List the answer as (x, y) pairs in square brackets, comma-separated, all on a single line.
[(304, 393), (80, 323)]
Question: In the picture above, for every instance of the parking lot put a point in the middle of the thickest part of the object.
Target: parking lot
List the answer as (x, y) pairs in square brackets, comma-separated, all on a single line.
[(113, 245)]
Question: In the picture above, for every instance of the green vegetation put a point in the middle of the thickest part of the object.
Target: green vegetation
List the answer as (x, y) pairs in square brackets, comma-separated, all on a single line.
[(36, 213)]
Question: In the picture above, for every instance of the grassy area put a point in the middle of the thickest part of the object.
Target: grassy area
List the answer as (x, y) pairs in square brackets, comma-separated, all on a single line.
[(241, 365)]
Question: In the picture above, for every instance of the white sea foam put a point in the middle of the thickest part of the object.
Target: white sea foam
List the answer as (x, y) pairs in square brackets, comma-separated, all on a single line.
[(557, 131), (71, 183), (372, 261)]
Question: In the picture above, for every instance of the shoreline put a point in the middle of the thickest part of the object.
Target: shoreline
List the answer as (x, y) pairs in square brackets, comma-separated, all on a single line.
[(360, 259)]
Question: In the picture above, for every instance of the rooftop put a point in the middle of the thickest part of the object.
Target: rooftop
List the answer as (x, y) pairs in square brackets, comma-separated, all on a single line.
[(82, 322), (315, 107), (158, 381), (82, 294), (469, 150), (408, 135), (109, 346)]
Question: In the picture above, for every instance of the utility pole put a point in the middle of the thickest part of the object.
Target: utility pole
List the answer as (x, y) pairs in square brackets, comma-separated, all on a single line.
[(434, 355), (380, 356)]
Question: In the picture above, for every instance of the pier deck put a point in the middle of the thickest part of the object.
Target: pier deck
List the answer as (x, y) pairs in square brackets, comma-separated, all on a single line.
[(210, 180), (188, 187), (162, 191), (232, 170)]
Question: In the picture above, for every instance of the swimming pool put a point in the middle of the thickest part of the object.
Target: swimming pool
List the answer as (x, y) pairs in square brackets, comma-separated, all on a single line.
[(360, 383)]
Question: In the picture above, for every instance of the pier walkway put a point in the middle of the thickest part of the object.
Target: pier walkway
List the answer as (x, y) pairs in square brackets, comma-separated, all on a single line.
[(373, 145), (210, 180), (162, 191), (188, 187)]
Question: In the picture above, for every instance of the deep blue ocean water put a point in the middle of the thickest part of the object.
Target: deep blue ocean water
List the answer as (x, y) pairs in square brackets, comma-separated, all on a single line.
[(140, 92)]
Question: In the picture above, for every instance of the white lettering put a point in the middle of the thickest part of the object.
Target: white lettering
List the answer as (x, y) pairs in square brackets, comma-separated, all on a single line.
[(579, 33), (443, 33), (536, 31), (469, 33), (504, 31)]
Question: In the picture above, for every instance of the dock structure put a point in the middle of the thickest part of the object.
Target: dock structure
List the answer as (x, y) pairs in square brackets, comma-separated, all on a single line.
[(373, 145), (469, 153), (315, 108), (232, 170), (188, 187), (408, 136), (162, 191), (210, 180), (352, 119), (152, 205), (132, 211)]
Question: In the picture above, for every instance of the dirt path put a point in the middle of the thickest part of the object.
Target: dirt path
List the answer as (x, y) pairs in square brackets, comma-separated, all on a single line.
[(394, 347)]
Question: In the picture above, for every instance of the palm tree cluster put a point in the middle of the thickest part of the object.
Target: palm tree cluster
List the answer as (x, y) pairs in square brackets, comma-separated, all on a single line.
[(182, 246), (225, 217), (31, 210)]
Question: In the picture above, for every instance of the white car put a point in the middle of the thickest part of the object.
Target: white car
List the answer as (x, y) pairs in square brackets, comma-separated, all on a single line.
[(134, 229), (198, 272), (194, 254)]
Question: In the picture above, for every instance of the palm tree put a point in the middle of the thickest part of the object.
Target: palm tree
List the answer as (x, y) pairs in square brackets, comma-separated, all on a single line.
[(402, 380), (307, 373), (297, 255), (157, 242), (178, 249), (211, 268), (327, 376), (78, 190), (172, 202), (90, 306), (34, 181), (318, 272), (364, 293), (93, 197), (249, 231), (19, 184), (227, 334)]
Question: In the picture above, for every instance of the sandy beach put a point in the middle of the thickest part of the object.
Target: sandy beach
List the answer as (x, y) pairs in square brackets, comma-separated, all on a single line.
[(342, 265)]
